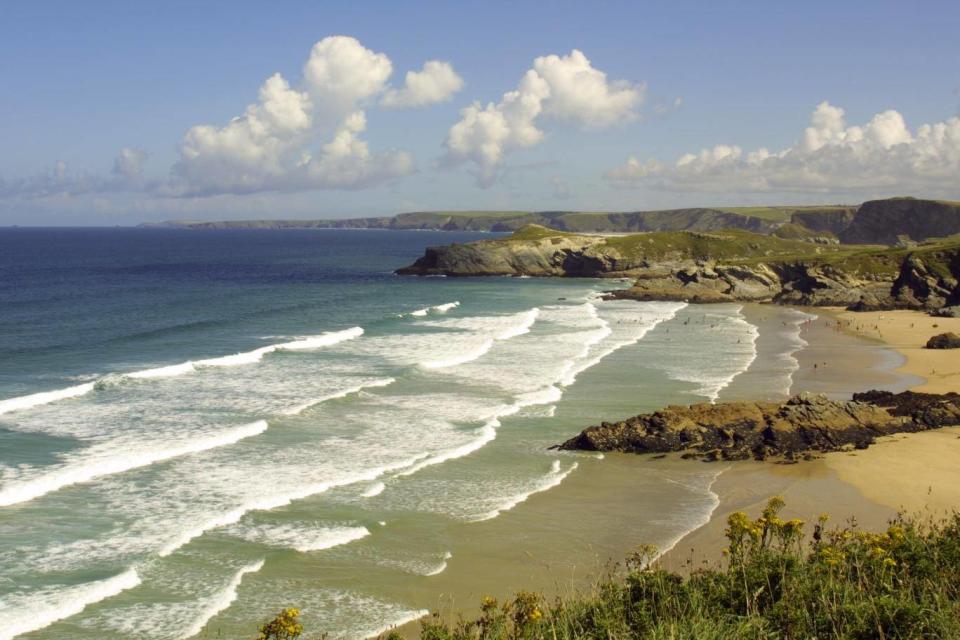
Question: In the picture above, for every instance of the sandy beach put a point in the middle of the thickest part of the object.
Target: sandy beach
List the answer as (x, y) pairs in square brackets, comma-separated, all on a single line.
[(914, 473)]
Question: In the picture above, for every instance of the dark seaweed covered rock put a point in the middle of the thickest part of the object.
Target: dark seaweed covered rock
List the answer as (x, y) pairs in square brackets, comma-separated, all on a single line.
[(944, 341), (803, 424)]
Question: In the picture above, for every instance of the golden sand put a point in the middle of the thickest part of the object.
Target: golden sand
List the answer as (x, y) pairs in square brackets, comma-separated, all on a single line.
[(914, 473), (907, 332)]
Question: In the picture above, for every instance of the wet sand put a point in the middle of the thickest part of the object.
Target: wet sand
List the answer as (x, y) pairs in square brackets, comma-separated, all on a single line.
[(561, 541), (913, 473), (908, 332)]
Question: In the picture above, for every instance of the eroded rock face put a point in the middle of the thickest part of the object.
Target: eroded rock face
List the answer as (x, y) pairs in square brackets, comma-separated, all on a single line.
[(552, 256), (792, 283), (883, 221), (797, 428), (925, 280), (944, 341)]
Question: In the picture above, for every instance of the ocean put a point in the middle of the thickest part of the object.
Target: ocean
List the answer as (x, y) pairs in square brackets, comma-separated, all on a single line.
[(198, 428)]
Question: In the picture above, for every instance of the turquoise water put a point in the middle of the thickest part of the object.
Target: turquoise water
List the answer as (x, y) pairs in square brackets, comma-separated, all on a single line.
[(198, 428)]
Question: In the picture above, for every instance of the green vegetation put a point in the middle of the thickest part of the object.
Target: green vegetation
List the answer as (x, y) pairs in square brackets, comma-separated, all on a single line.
[(776, 583), (793, 231), (783, 213), (726, 245)]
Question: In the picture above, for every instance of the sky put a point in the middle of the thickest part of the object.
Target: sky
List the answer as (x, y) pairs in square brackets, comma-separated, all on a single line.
[(117, 113)]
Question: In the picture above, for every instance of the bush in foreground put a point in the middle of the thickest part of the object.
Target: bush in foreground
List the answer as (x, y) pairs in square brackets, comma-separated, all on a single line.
[(776, 583)]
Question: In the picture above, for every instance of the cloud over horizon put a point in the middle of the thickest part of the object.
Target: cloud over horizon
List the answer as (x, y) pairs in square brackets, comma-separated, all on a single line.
[(566, 88), (308, 137), (830, 156)]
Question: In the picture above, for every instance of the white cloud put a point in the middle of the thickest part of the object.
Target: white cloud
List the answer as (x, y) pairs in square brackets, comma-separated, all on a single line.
[(581, 94), (128, 165), (882, 155), (60, 181), (561, 188), (308, 136), (436, 82), (341, 73), (567, 88)]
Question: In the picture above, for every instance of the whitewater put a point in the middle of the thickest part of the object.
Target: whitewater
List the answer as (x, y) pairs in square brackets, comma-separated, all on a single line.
[(180, 479)]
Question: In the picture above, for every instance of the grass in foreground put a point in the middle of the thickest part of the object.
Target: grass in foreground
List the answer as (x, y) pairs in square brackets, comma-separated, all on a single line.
[(776, 583)]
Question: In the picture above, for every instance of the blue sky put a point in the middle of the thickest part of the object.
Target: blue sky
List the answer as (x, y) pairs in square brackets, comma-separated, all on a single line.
[(82, 81)]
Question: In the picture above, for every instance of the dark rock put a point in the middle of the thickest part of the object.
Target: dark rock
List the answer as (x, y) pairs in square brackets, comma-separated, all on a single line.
[(794, 429), (944, 341), (884, 221), (947, 312)]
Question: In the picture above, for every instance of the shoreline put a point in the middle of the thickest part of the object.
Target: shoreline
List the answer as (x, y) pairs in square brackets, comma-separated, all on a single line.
[(913, 473), (538, 547)]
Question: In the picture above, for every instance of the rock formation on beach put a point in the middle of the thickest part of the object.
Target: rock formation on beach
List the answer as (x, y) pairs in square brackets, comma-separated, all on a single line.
[(947, 340), (798, 428)]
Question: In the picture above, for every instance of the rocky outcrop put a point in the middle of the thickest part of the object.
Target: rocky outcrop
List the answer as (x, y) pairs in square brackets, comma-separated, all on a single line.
[(798, 428), (944, 341), (718, 267), (793, 283), (833, 220), (547, 256), (885, 221)]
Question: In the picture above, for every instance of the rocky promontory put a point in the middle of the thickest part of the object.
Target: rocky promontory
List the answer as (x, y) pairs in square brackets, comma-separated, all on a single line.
[(798, 428), (720, 266)]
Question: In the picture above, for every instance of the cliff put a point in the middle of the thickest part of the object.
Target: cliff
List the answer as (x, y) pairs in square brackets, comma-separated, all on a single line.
[(876, 222), (886, 221), (799, 427), (725, 266), (704, 219)]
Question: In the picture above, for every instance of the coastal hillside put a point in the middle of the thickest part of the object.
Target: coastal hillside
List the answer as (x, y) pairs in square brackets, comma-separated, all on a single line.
[(887, 221), (722, 266), (760, 219)]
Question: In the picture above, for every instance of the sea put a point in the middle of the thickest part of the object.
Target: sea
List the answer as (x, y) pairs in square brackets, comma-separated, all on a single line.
[(200, 427)]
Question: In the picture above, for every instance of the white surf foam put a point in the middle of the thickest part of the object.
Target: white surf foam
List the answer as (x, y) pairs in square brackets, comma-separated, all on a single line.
[(551, 480), (275, 501), (525, 322), (374, 490), (440, 308), (462, 358), (26, 612), (383, 382), (640, 321), (93, 465), (701, 521), (440, 568), (715, 348), (310, 342), (793, 344), (485, 434), (302, 537), (397, 622), (248, 357), (46, 397), (220, 601)]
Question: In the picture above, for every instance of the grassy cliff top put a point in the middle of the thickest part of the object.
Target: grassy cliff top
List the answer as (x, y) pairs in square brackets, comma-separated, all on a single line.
[(736, 246)]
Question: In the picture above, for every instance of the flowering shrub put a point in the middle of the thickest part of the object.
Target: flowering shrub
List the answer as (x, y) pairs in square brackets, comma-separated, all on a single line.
[(777, 582)]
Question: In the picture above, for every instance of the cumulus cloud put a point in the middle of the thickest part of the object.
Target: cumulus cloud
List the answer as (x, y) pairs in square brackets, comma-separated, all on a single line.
[(830, 156), (566, 88), (128, 165), (60, 181), (436, 82), (308, 136)]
